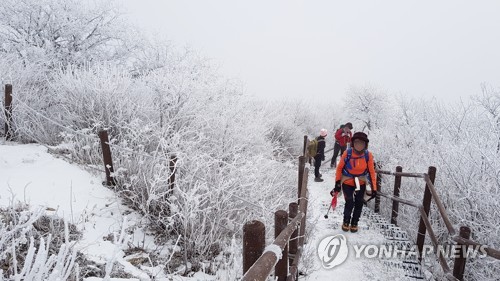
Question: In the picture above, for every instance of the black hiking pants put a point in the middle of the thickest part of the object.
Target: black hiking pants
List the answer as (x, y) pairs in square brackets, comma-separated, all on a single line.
[(317, 165), (353, 200), (336, 149)]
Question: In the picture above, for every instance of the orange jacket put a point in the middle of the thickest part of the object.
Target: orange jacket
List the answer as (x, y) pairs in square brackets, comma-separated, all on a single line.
[(358, 167)]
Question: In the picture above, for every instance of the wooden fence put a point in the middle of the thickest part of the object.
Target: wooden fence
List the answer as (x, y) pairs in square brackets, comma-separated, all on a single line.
[(284, 253), (430, 195)]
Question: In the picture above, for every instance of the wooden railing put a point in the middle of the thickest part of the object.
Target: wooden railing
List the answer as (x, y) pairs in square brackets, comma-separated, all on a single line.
[(284, 253), (258, 262), (430, 195)]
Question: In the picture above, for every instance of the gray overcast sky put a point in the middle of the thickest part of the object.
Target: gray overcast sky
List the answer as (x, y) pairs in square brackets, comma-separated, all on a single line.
[(444, 48)]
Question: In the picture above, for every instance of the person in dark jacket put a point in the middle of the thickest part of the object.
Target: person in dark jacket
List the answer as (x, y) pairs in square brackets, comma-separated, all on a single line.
[(342, 138), (320, 154)]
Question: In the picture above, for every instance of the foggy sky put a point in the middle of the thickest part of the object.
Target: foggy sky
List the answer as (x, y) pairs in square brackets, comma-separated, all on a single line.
[(292, 49)]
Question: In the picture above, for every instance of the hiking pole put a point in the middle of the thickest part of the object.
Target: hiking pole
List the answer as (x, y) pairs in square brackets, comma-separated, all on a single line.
[(326, 216)]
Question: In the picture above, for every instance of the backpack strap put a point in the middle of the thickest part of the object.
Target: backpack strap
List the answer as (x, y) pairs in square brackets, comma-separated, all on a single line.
[(347, 160), (347, 164)]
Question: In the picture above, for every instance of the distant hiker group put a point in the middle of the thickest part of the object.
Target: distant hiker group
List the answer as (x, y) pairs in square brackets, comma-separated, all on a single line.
[(355, 173), (316, 147)]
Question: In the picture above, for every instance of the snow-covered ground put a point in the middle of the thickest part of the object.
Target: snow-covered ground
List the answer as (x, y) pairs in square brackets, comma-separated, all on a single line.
[(31, 175)]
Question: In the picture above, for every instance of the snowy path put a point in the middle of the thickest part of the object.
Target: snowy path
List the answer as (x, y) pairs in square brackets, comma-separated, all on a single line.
[(353, 268)]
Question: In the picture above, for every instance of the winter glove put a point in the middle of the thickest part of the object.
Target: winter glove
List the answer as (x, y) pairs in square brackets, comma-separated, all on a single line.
[(332, 192), (374, 193), (337, 186)]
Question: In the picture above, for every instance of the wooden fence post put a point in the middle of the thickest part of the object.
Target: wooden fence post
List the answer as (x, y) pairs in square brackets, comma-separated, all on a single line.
[(281, 267), (306, 153), (106, 155), (459, 267), (8, 112), (293, 209), (254, 239), (379, 188), (302, 165), (395, 204), (426, 203), (305, 146), (303, 200)]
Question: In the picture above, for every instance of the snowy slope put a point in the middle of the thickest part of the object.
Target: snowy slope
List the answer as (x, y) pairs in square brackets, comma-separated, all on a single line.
[(30, 175)]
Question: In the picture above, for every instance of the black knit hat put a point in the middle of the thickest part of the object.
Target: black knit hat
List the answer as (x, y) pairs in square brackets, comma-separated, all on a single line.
[(360, 135), (348, 125)]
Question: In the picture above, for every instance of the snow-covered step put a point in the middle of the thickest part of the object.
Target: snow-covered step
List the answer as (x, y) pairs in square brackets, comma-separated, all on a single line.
[(413, 270), (396, 239)]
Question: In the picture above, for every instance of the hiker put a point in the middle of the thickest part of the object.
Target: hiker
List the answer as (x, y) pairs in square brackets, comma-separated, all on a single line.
[(320, 155), (336, 148), (342, 138), (355, 170)]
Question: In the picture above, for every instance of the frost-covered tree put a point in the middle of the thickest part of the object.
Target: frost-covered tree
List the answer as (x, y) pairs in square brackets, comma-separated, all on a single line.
[(61, 32), (489, 100), (366, 106), (288, 122), (460, 140)]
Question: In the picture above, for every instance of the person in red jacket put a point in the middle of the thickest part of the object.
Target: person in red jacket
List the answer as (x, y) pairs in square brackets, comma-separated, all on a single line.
[(342, 138), (356, 168)]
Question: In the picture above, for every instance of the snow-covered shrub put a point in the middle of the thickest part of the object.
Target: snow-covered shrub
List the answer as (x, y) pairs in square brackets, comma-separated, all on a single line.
[(62, 34), (288, 122), (28, 250)]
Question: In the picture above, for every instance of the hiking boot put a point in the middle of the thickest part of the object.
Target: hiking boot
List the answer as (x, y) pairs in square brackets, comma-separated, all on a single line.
[(345, 226), (320, 175), (318, 179), (354, 228)]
